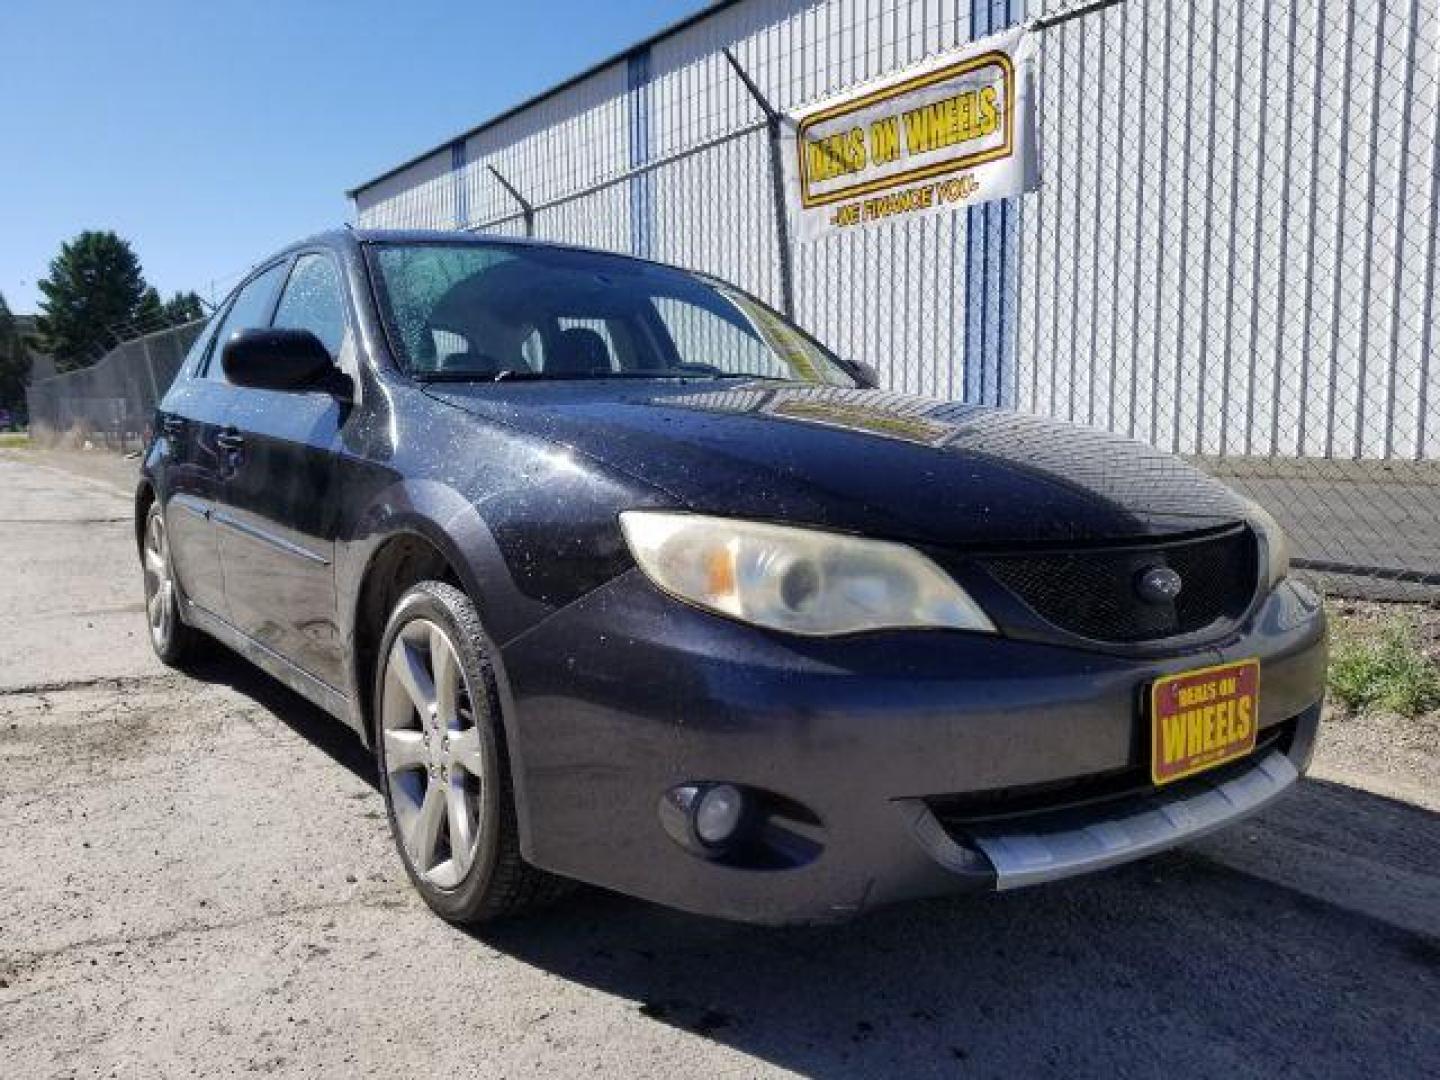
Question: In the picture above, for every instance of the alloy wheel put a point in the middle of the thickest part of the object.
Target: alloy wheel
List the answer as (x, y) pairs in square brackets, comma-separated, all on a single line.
[(433, 760), (159, 583)]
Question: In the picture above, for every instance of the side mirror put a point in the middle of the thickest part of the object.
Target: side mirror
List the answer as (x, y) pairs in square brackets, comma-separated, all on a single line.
[(278, 360)]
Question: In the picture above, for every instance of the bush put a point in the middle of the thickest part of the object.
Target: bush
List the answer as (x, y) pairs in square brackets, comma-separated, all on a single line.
[(1384, 669)]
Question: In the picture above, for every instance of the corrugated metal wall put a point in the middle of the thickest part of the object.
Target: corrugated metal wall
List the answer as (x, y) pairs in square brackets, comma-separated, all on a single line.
[(1232, 252), (712, 209)]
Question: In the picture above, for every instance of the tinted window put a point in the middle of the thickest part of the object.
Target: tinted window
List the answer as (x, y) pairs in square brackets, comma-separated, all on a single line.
[(200, 348), (703, 337), (424, 277), (477, 310), (250, 309), (600, 337), (313, 301)]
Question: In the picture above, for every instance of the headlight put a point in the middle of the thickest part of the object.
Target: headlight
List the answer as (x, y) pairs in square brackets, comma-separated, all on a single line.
[(1277, 550), (796, 580)]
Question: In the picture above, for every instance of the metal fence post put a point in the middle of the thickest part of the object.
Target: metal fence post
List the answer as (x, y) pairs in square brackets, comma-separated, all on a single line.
[(525, 208), (150, 371), (773, 122)]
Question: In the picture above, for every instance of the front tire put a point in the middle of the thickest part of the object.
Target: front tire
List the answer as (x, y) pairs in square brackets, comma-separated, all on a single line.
[(440, 745)]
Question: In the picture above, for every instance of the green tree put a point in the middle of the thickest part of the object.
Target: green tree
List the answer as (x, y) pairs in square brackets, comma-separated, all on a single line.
[(149, 315), (152, 315), (14, 361), (183, 307), (94, 288)]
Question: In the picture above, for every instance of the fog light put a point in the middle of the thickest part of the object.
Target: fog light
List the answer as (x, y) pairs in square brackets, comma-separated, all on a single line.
[(717, 813)]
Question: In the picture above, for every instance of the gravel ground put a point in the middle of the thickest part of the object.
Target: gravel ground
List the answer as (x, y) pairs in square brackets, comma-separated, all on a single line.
[(196, 880)]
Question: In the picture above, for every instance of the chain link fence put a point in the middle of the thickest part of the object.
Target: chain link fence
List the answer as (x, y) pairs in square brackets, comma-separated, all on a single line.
[(1231, 256), (112, 403), (1237, 263)]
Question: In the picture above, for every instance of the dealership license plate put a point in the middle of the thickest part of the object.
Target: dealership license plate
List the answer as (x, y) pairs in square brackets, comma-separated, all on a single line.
[(1204, 718)]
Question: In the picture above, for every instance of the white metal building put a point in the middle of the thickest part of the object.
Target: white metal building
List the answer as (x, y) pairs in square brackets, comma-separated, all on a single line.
[(1232, 252)]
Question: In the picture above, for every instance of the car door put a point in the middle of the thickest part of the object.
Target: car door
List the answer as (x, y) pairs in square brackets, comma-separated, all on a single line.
[(277, 527), (191, 420)]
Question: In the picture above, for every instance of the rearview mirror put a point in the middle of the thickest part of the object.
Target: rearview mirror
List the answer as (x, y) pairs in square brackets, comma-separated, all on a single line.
[(278, 360)]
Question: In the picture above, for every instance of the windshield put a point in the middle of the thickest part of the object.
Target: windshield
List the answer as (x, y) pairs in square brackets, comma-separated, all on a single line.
[(500, 311)]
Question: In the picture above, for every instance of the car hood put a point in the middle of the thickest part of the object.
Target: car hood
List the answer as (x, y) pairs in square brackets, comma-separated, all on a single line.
[(864, 461)]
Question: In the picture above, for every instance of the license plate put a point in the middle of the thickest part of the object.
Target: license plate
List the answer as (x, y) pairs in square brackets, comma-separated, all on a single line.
[(1203, 718)]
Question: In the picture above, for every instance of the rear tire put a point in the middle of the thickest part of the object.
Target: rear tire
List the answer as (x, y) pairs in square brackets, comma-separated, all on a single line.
[(444, 770), (174, 642)]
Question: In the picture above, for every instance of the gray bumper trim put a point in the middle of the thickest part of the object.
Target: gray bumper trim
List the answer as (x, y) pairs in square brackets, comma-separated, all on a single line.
[(1080, 843)]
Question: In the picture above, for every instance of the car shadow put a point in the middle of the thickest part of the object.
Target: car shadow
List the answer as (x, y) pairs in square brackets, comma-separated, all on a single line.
[(1189, 964), (310, 722), (1305, 941)]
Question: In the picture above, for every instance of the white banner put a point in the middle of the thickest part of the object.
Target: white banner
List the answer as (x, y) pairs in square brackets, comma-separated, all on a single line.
[(954, 131)]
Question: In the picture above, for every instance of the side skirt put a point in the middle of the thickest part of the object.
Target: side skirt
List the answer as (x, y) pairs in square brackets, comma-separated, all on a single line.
[(268, 660)]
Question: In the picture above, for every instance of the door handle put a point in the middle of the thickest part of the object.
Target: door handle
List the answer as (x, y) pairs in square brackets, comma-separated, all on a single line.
[(230, 439)]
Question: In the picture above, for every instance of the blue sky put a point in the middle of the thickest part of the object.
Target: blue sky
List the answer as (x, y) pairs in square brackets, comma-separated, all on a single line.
[(209, 133)]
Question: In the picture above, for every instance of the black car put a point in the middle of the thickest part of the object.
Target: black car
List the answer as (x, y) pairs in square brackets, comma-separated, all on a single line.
[(628, 580)]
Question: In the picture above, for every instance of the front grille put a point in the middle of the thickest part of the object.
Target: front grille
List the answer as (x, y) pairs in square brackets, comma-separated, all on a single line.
[(1093, 593), (957, 812)]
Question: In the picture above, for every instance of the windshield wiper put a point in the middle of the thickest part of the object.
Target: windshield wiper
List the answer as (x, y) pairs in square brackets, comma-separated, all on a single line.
[(747, 375), (508, 375), (588, 376), (451, 376), (514, 375)]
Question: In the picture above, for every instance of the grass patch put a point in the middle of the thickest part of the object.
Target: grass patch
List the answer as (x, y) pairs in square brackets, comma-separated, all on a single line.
[(1384, 668), (14, 440)]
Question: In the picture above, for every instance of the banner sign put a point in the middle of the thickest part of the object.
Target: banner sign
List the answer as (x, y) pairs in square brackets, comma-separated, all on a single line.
[(952, 132)]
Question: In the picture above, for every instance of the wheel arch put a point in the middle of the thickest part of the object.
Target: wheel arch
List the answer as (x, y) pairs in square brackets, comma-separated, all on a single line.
[(403, 558), (145, 497), (414, 550), (442, 534)]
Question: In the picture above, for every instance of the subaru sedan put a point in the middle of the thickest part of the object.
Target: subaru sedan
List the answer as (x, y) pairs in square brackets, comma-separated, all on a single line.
[(626, 579)]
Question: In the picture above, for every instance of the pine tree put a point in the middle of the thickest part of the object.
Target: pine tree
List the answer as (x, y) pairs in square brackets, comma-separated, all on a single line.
[(14, 362), (94, 290), (183, 307)]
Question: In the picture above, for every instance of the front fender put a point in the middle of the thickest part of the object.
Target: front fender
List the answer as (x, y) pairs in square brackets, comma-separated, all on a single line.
[(506, 561), (444, 518)]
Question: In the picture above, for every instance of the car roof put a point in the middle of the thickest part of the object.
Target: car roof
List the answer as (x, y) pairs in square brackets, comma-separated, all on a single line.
[(350, 235), (352, 238)]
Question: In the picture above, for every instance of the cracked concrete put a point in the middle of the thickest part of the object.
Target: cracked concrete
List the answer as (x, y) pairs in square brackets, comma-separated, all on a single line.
[(196, 879)]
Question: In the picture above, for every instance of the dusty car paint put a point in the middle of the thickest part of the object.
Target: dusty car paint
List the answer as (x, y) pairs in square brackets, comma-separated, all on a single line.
[(613, 692)]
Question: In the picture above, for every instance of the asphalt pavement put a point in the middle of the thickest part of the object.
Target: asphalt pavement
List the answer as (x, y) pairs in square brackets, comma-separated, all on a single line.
[(196, 880)]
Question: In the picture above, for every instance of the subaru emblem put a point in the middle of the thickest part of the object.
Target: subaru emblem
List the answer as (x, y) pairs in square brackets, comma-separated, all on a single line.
[(1158, 585)]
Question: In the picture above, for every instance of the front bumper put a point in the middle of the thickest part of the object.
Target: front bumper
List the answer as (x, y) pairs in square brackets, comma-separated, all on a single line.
[(628, 693), (1049, 845)]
